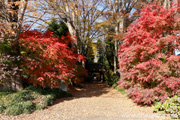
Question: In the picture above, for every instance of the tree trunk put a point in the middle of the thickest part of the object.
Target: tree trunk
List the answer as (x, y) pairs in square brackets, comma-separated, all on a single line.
[(71, 26), (72, 31), (166, 3), (115, 51), (12, 74)]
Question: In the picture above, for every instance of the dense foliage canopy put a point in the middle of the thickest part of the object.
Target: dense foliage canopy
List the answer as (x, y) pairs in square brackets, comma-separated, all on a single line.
[(48, 60), (149, 69)]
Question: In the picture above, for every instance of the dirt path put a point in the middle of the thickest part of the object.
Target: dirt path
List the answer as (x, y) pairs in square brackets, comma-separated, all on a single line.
[(92, 102)]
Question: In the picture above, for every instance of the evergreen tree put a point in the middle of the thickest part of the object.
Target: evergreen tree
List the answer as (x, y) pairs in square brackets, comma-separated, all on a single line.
[(100, 50), (109, 52), (59, 29)]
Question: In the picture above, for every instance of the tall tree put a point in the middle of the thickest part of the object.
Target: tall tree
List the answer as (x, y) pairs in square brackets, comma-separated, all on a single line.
[(59, 29), (119, 15), (101, 50), (81, 16), (11, 16)]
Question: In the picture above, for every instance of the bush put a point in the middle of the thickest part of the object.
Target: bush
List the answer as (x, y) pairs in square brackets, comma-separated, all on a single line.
[(3, 93), (12, 99), (36, 90), (111, 78), (2, 107), (48, 59), (17, 97), (149, 70), (15, 109), (19, 108), (28, 107), (15, 103), (48, 100), (25, 95), (170, 107), (39, 106)]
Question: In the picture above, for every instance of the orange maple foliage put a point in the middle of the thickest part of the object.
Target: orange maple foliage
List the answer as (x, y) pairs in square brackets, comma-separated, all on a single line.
[(47, 60)]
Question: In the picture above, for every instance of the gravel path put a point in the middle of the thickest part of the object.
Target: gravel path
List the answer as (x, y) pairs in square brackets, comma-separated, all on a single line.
[(93, 102)]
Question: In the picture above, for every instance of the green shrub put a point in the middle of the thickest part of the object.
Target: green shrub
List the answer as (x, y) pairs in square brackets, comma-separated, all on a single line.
[(39, 106), (15, 103), (19, 108), (3, 93), (2, 107), (169, 107), (48, 100), (28, 107), (15, 109), (17, 97), (37, 90), (25, 95), (111, 78), (12, 99)]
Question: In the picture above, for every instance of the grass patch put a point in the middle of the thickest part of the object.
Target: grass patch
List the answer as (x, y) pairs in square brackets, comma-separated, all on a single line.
[(121, 90), (28, 100)]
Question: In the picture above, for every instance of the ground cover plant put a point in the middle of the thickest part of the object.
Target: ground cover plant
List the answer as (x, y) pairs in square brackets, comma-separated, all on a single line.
[(149, 69), (120, 89), (170, 107), (28, 100)]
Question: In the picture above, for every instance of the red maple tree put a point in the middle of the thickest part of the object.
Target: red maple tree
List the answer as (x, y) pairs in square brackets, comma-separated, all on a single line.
[(47, 60), (149, 69)]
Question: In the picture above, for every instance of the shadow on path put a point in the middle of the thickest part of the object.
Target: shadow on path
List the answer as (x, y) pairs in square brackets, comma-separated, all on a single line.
[(88, 90)]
